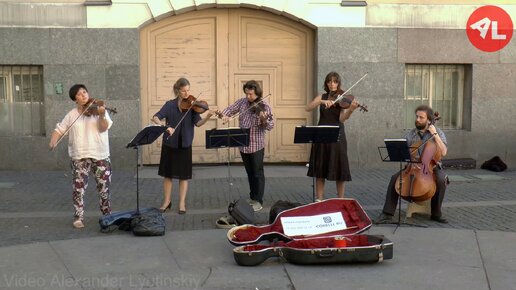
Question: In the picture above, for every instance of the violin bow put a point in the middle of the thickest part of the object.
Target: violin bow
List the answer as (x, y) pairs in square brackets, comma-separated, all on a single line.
[(414, 149), (339, 97), (71, 126), (250, 107), (179, 123), (184, 115)]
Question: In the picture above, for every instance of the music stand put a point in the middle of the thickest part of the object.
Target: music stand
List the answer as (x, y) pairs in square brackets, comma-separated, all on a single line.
[(316, 134), (397, 151), (146, 136), (228, 137)]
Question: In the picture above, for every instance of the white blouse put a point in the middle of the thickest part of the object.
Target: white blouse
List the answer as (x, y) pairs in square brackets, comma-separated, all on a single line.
[(85, 140)]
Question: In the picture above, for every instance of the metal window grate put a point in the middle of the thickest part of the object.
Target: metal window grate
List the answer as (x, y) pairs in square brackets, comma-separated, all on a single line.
[(439, 86), (21, 101)]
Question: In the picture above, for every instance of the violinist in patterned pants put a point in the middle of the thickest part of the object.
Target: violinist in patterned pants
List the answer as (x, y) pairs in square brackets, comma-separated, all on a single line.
[(102, 172), (88, 148)]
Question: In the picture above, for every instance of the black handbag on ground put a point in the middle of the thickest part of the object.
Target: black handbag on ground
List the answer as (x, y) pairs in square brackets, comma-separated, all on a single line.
[(280, 206), (494, 164), (241, 211), (150, 223)]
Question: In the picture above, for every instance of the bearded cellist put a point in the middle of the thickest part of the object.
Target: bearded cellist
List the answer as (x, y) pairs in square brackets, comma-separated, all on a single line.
[(423, 131)]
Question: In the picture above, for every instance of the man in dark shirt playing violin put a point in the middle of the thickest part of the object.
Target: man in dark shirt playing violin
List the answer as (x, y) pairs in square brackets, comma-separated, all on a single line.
[(423, 131)]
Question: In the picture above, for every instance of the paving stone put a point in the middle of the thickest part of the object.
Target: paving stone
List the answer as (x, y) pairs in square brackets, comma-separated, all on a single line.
[(39, 207)]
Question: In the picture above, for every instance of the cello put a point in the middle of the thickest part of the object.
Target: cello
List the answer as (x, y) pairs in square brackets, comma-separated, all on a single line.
[(419, 174)]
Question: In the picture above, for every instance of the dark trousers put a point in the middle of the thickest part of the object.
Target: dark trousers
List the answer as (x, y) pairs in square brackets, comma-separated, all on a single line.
[(391, 198), (253, 163)]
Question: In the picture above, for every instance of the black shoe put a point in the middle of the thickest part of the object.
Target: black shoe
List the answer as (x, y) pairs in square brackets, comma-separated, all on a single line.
[(383, 218), (439, 219), (164, 209)]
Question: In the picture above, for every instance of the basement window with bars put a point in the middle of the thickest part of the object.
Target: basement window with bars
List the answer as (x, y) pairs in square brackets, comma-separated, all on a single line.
[(439, 86), (21, 101)]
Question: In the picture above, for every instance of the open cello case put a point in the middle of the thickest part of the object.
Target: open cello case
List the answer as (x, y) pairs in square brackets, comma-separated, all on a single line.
[(325, 232)]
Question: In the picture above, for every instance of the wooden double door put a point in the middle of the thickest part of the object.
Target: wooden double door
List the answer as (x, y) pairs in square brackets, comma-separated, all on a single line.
[(218, 50)]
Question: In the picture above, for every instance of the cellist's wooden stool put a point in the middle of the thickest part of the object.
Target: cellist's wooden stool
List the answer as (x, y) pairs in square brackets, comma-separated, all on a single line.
[(423, 207)]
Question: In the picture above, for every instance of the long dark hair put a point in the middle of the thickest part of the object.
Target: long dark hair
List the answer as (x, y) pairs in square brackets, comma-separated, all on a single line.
[(329, 77)]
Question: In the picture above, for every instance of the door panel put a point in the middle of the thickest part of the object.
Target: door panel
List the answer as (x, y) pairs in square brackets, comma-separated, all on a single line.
[(282, 52), (186, 46), (218, 50)]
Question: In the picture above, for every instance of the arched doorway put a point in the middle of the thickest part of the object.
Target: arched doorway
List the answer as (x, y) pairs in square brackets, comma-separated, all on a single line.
[(218, 50)]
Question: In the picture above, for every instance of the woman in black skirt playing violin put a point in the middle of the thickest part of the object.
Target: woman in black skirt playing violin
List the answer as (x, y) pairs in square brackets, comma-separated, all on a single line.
[(330, 160), (176, 151)]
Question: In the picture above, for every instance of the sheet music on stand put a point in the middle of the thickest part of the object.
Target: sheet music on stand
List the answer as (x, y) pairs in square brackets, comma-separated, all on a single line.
[(147, 135), (316, 134), (227, 137), (397, 150)]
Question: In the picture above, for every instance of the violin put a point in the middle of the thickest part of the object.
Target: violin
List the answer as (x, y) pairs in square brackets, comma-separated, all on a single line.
[(345, 100), (257, 108), (91, 108), (191, 103), (419, 176), (199, 106)]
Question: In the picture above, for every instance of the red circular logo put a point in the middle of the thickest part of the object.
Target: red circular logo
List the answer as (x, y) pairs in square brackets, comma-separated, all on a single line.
[(489, 28)]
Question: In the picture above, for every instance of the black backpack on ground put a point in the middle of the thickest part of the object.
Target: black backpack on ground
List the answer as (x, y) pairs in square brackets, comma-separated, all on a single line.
[(494, 164), (150, 223), (280, 206), (241, 211), (120, 220)]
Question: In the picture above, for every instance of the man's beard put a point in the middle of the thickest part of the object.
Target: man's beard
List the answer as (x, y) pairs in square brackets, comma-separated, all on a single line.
[(420, 126)]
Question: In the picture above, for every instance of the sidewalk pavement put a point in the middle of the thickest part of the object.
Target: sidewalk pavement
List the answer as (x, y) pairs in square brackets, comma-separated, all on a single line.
[(39, 249)]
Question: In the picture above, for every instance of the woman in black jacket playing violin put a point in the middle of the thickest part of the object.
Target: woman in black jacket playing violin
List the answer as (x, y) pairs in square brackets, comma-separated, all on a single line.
[(176, 150)]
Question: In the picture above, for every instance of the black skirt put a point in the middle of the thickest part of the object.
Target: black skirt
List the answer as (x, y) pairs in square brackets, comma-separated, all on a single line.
[(331, 160), (175, 163)]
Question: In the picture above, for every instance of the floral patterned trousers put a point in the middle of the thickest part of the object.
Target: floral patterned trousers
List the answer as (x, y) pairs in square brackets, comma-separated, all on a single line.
[(101, 169)]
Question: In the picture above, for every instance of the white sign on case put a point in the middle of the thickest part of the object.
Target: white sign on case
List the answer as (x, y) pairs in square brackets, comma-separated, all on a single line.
[(313, 225)]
